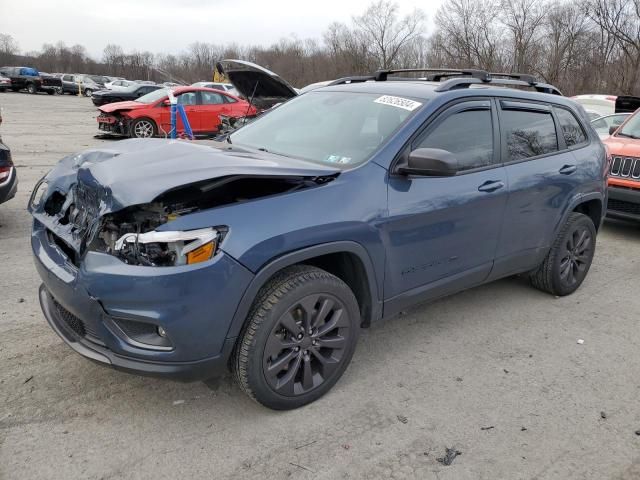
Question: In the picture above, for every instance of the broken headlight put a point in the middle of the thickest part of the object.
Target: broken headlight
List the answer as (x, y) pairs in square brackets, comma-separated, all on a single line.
[(165, 249)]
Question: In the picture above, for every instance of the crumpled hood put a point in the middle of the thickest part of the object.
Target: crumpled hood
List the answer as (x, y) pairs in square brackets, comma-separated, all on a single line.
[(127, 105), (136, 171)]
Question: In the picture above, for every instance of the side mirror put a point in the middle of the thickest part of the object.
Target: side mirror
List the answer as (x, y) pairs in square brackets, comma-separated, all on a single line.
[(430, 162), (166, 102), (613, 128)]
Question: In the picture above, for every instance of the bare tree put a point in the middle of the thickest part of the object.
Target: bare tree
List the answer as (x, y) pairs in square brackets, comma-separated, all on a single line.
[(384, 33), (621, 20), (523, 20)]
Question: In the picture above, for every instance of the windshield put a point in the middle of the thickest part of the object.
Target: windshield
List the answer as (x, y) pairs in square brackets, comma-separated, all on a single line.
[(338, 128), (631, 128), (154, 96)]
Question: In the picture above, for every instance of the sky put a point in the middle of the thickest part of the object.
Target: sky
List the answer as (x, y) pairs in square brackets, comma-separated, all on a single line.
[(168, 26)]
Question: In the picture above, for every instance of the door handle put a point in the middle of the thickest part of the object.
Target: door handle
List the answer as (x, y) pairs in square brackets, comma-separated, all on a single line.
[(568, 169), (491, 186)]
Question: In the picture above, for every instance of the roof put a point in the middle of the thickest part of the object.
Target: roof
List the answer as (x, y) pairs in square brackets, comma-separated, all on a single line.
[(427, 90)]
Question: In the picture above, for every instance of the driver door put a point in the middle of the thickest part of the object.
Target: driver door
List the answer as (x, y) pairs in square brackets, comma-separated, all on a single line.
[(442, 232), (189, 100)]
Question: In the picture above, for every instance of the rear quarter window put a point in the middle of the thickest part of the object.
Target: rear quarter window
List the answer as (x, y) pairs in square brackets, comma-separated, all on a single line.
[(571, 128), (528, 133)]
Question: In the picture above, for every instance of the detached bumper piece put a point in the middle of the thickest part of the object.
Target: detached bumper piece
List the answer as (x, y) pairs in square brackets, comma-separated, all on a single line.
[(82, 335), (624, 203)]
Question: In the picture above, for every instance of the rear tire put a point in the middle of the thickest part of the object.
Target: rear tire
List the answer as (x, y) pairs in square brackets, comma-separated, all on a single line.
[(567, 263), (299, 338), (31, 88)]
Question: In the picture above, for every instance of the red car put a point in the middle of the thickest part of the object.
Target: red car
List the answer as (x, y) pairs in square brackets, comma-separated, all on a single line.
[(150, 115)]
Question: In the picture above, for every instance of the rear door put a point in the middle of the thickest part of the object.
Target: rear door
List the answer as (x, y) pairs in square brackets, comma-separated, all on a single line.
[(442, 232), (212, 105), (538, 144)]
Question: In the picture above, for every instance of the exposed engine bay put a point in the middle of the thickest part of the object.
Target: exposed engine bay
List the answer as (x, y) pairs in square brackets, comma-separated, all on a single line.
[(130, 233)]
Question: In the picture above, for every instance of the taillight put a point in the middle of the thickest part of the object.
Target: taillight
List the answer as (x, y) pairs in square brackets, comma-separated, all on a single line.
[(5, 172)]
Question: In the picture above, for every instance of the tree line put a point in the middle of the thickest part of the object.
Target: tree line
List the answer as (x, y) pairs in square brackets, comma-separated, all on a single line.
[(583, 46)]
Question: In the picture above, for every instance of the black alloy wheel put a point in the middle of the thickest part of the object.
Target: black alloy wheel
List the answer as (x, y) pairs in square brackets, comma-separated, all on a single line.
[(306, 345), (298, 339), (577, 256), (566, 265)]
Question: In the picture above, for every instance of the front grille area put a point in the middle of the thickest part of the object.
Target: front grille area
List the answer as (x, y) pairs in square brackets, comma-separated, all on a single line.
[(73, 322), (625, 167), (82, 329), (624, 207)]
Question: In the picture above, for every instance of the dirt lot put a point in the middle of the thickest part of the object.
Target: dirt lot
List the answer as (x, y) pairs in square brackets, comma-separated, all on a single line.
[(495, 372)]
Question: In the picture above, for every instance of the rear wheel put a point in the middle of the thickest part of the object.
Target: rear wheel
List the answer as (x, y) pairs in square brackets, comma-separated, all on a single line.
[(31, 88), (567, 263), (299, 338), (143, 128)]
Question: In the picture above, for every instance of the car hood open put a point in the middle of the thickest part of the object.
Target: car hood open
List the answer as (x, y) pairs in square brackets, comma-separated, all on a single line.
[(252, 81)]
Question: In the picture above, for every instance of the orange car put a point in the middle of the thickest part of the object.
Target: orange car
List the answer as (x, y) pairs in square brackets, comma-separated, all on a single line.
[(624, 176)]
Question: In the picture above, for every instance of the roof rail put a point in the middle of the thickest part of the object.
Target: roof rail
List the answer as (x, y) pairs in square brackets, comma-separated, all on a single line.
[(381, 75), (458, 83), (456, 78), (530, 79), (356, 79)]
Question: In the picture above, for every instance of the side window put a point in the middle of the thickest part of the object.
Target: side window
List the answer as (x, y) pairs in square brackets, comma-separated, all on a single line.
[(571, 129), (528, 133), (467, 134), (211, 98), (187, 98), (228, 99)]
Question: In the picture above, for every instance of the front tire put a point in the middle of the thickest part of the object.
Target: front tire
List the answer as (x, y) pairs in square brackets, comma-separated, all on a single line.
[(88, 92), (299, 338), (143, 128), (567, 263)]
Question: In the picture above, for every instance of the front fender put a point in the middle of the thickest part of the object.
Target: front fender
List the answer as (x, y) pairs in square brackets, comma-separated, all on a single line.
[(300, 256)]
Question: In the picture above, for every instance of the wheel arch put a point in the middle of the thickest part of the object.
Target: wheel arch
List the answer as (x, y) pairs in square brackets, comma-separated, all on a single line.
[(591, 205), (347, 260)]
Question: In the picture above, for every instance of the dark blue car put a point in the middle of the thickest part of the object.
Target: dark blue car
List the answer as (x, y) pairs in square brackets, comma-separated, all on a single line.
[(268, 253)]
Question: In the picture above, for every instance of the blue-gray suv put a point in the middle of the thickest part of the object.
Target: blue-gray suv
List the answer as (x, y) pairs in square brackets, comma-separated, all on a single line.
[(267, 253)]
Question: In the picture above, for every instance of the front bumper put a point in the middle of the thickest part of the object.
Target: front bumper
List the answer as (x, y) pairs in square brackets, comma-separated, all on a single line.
[(195, 307), (624, 203)]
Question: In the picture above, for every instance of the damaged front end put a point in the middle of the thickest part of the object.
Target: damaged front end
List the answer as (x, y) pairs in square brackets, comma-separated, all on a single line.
[(114, 123), (82, 214)]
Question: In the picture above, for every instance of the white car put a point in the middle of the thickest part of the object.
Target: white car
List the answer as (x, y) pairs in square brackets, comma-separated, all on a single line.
[(603, 125), (225, 87), (600, 104), (118, 85)]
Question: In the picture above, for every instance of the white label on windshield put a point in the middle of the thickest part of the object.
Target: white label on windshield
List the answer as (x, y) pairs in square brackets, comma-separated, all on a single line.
[(399, 102)]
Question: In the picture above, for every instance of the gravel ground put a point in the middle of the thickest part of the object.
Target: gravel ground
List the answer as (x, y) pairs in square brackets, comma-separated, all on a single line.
[(495, 373)]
